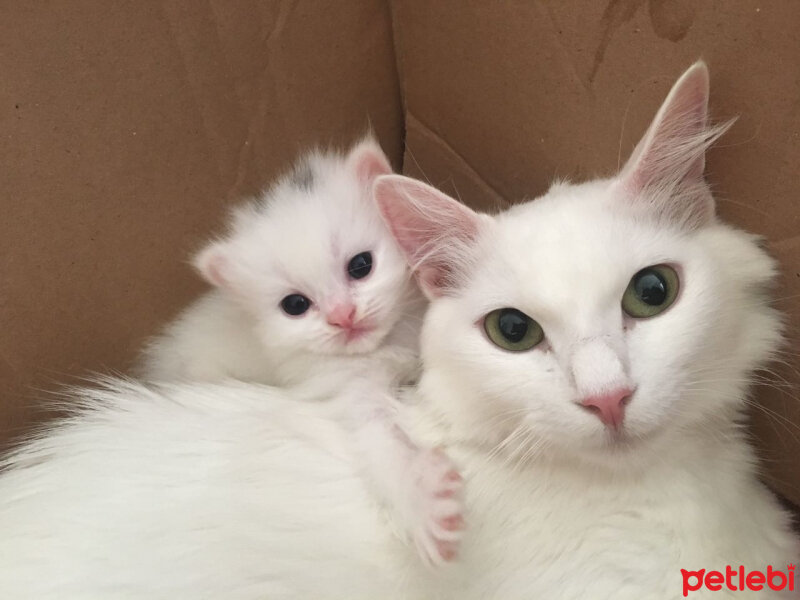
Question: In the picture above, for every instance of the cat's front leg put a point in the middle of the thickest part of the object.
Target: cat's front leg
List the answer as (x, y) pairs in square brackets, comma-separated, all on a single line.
[(420, 486), (433, 505)]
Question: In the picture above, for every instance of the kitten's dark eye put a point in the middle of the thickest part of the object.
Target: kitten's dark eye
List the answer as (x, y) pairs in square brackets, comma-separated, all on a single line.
[(295, 304), (650, 292), (360, 265), (513, 330)]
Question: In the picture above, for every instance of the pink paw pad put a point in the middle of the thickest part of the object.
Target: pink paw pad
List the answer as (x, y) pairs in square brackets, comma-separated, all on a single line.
[(439, 512)]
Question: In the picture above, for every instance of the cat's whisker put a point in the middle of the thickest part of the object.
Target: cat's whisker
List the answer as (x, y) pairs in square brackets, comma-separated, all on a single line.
[(509, 439), (788, 424), (769, 381), (747, 206), (622, 133), (499, 423), (792, 428), (535, 447), (416, 163)]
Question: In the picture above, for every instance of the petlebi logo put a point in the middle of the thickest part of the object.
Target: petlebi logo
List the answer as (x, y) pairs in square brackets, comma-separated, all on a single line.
[(738, 579)]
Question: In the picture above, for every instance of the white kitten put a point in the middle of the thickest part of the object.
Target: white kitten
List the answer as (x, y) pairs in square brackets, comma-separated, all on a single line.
[(573, 492), (312, 292), (305, 271)]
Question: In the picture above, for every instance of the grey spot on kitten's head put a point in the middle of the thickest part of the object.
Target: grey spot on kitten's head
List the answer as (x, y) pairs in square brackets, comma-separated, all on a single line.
[(303, 177)]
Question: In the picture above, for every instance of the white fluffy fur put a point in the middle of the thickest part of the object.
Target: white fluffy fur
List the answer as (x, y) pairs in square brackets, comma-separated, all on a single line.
[(296, 238), (299, 238), (208, 491)]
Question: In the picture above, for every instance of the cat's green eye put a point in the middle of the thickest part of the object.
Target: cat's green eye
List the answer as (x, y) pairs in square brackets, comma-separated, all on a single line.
[(512, 330), (650, 292)]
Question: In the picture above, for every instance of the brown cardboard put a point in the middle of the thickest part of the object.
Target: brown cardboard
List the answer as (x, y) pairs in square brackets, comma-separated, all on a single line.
[(127, 128), (502, 97)]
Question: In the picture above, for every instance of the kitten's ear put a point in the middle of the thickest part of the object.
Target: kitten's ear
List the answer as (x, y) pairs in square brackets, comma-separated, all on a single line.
[(368, 161), (215, 265), (666, 167), (435, 232)]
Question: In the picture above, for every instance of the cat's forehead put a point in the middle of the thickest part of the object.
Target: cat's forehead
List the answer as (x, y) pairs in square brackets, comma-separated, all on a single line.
[(332, 208), (566, 228), (302, 236), (571, 245)]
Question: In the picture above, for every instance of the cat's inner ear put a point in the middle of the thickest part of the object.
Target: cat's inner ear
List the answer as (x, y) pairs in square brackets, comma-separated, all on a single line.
[(665, 169), (368, 161), (214, 264), (436, 233)]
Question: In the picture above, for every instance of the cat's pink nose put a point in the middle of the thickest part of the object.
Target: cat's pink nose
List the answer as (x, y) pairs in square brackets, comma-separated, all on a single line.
[(342, 315), (609, 406)]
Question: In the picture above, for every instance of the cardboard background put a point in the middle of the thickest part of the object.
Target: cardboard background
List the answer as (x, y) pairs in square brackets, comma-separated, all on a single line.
[(128, 128)]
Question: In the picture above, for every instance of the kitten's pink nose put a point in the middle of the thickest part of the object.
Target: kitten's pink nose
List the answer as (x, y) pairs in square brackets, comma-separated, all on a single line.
[(609, 407), (342, 315)]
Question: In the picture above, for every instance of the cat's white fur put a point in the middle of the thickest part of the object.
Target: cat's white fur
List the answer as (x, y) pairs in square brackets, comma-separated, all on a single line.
[(298, 238), (208, 491)]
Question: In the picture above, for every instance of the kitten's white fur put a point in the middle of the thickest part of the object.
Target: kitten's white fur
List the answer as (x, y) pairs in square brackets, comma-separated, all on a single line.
[(208, 491), (298, 238)]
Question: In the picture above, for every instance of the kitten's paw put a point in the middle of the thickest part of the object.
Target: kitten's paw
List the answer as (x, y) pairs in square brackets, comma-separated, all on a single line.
[(437, 519)]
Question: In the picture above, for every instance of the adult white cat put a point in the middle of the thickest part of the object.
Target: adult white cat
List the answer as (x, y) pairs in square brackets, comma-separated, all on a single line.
[(601, 442)]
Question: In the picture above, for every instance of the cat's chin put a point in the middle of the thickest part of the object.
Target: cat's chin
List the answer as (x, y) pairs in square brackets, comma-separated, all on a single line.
[(361, 341), (601, 445), (355, 347), (620, 448)]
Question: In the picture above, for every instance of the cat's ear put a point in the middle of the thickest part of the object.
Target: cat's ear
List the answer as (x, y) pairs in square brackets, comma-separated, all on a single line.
[(665, 169), (214, 263), (436, 233), (367, 160)]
